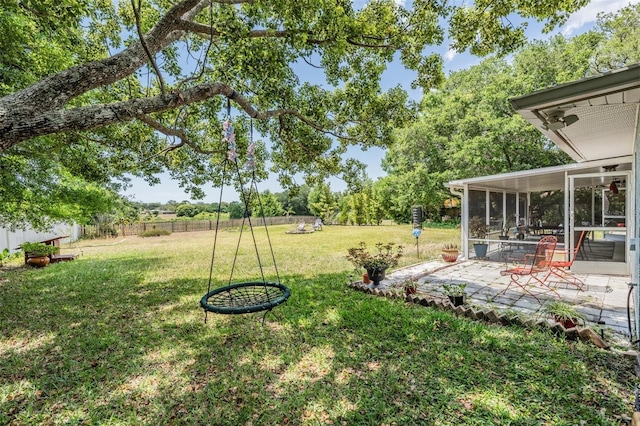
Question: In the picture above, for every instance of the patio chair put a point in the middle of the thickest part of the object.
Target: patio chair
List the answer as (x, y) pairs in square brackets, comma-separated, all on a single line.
[(534, 269), (561, 268)]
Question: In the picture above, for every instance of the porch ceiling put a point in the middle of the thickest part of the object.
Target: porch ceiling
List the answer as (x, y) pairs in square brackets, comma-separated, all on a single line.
[(607, 108), (545, 179)]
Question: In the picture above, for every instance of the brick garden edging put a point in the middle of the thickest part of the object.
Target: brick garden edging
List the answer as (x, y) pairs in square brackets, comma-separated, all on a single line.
[(585, 334)]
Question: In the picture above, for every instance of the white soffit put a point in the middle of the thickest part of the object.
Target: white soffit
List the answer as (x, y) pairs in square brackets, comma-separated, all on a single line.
[(607, 108), (545, 179)]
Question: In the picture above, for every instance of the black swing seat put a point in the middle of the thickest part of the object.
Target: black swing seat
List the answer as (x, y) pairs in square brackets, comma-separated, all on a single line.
[(245, 298)]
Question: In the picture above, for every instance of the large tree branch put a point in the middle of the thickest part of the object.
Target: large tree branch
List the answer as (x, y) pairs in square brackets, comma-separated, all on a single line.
[(95, 116), (54, 91), (46, 97), (39, 110), (184, 138)]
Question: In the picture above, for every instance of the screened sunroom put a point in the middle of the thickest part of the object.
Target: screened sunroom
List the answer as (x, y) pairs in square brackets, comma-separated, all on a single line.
[(594, 120), (520, 208)]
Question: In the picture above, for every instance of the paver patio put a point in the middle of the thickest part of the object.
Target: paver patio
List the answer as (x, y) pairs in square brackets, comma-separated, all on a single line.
[(603, 301)]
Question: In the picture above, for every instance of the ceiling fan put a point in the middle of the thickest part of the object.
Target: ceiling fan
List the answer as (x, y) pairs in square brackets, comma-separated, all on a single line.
[(556, 120)]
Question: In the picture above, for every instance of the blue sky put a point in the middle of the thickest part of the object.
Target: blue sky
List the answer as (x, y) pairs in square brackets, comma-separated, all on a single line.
[(579, 22)]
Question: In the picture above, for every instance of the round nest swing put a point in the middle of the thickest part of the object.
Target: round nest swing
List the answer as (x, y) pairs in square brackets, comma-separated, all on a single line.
[(245, 298), (251, 296)]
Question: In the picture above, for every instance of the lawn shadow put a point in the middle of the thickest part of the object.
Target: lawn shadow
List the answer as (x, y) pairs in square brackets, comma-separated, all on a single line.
[(360, 359), (109, 343)]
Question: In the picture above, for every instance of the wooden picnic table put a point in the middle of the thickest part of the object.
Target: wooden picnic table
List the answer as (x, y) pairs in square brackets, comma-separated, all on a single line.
[(54, 241)]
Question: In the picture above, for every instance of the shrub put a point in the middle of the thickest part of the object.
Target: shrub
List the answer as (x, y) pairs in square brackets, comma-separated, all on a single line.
[(454, 290), (478, 228), (6, 255), (154, 233), (385, 256), (445, 224), (39, 249)]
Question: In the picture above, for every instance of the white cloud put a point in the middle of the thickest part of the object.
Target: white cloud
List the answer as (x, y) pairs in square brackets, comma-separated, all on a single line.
[(450, 55), (587, 15)]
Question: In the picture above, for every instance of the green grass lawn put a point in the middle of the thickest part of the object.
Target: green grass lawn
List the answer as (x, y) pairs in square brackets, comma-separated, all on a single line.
[(117, 337)]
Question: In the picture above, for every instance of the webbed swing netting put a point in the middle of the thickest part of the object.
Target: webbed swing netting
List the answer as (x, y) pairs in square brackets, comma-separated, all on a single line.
[(250, 296)]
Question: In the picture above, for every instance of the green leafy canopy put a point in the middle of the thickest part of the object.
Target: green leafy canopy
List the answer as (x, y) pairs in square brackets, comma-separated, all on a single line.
[(139, 87)]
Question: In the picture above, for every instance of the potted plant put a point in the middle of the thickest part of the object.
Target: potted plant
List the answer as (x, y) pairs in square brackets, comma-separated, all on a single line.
[(450, 252), (564, 313), (410, 287), (478, 229), (37, 254), (455, 292), (376, 264), (504, 232)]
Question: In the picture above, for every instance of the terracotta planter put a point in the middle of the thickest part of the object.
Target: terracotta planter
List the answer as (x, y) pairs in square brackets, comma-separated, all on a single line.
[(449, 255), (40, 261), (410, 290), (567, 323)]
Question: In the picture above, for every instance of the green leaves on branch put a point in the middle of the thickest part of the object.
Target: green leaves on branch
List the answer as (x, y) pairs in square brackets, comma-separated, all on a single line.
[(310, 70)]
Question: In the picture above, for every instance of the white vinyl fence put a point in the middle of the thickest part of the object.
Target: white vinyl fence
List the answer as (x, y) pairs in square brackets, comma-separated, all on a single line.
[(13, 239)]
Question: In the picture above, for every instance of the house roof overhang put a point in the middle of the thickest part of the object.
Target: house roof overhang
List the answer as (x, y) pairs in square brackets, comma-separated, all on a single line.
[(602, 133), (606, 107), (544, 179)]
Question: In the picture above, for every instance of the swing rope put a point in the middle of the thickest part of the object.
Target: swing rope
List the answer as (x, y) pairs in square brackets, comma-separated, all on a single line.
[(215, 235), (266, 230), (244, 297), (252, 166)]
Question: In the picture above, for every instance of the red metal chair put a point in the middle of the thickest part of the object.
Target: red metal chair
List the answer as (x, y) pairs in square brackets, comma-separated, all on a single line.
[(560, 268), (534, 269)]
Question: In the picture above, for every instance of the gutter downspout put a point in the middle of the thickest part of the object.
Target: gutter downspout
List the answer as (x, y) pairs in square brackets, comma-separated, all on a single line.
[(635, 241), (568, 228), (464, 220)]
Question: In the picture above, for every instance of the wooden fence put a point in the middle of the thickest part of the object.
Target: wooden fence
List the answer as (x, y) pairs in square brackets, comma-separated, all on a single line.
[(113, 230)]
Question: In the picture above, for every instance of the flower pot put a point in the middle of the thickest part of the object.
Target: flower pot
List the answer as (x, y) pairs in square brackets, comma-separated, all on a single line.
[(376, 275), (480, 249), (567, 323), (457, 300), (449, 255), (503, 237), (365, 279), (40, 261)]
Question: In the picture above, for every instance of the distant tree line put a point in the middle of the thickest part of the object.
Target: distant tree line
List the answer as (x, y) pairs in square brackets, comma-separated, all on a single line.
[(358, 207)]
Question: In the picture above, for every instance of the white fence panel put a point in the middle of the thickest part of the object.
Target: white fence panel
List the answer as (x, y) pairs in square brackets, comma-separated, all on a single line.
[(13, 239)]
